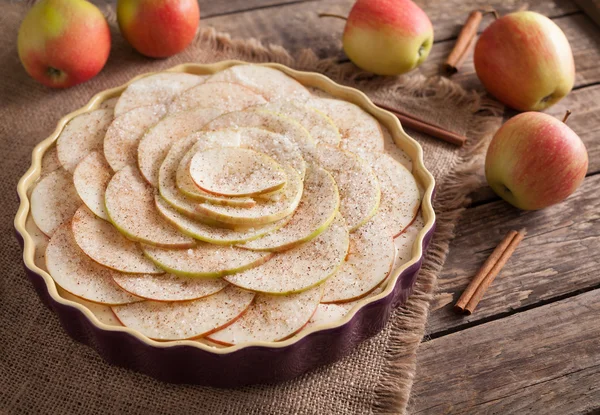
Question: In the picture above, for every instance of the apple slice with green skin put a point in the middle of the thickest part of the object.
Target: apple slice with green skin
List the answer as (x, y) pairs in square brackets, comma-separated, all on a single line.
[(104, 244), (400, 194), (257, 117), (299, 268), (91, 176), (177, 190), (168, 287), (155, 144), (125, 132), (368, 263), (78, 274), (82, 135), (236, 172), (271, 83), (213, 234), (159, 88), (356, 181), (225, 96), (360, 130), (186, 319), (54, 200), (318, 124), (130, 207), (270, 318), (205, 260), (317, 209)]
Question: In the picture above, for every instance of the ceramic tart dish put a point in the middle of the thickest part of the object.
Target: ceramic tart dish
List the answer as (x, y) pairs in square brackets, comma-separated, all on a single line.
[(225, 224)]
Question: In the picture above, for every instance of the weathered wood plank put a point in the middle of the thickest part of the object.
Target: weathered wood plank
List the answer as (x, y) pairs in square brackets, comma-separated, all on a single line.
[(545, 360), (560, 254), (583, 35), (296, 25), (210, 8)]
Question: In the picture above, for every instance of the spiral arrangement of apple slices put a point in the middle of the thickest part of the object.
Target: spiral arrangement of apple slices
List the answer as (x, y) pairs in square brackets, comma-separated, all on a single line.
[(235, 207)]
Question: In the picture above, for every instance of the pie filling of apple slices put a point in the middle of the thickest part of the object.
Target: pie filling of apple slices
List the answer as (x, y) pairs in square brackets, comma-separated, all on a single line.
[(237, 207)]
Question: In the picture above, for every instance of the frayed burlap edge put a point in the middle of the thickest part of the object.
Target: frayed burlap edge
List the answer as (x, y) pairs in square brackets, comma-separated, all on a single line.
[(408, 324)]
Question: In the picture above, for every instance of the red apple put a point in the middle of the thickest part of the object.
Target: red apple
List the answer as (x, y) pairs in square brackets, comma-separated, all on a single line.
[(158, 28), (535, 160), (62, 43), (525, 61), (387, 37)]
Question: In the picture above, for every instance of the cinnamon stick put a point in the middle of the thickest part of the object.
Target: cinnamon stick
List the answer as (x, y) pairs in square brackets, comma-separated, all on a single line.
[(417, 124), (487, 273), (466, 39)]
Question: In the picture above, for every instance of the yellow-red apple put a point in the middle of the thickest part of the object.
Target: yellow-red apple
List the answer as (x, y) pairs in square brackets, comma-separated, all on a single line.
[(63, 42), (525, 61), (535, 160), (387, 37), (158, 28)]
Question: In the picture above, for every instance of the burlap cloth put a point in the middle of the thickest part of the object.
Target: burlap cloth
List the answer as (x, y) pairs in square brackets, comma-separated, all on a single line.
[(43, 371)]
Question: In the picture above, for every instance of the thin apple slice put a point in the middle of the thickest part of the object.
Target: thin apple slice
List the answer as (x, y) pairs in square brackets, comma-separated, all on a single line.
[(319, 125), (159, 88), (82, 135), (178, 189), (316, 211), (125, 132), (109, 103), (155, 144), (405, 242), (270, 318), (186, 319), (76, 273), (130, 207), (400, 194), (299, 268), (236, 172), (356, 181), (267, 120), (54, 200), (368, 263), (205, 260), (360, 130), (269, 82), (225, 96), (213, 234), (91, 176), (168, 287), (329, 313), (50, 161), (104, 244), (271, 210)]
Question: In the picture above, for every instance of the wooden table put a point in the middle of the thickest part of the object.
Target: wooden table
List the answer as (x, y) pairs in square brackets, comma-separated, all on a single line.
[(533, 345)]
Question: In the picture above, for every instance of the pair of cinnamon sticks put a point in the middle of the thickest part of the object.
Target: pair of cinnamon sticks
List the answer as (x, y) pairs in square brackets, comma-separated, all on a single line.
[(487, 273)]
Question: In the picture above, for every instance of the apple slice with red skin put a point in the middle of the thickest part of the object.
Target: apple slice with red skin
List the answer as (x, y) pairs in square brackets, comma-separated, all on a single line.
[(104, 244), (82, 135), (300, 268), (54, 200), (125, 132), (168, 287), (270, 83), (270, 318), (185, 319), (159, 88), (156, 143), (130, 207), (368, 263), (78, 274), (220, 95), (91, 177), (360, 131)]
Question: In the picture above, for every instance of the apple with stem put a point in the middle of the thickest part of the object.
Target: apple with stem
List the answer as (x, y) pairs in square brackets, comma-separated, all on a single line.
[(62, 43), (535, 160), (525, 61)]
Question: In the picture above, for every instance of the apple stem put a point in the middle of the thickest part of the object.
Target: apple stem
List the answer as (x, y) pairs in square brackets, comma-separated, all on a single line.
[(567, 115), (337, 16), (492, 11)]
